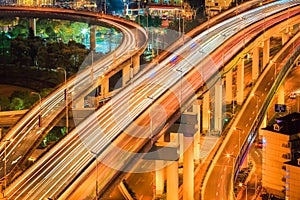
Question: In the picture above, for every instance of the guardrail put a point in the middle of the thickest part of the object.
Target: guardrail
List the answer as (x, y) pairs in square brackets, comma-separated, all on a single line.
[(279, 58)]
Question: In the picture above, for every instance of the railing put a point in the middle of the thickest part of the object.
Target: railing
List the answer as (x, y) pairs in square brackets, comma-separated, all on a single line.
[(279, 58)]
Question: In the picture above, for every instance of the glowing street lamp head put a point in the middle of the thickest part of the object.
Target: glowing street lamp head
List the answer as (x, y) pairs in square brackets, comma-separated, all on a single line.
[(84, 30)]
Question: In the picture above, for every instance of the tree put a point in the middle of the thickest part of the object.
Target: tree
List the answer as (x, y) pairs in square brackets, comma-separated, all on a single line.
[(16, 104), (4, 103)]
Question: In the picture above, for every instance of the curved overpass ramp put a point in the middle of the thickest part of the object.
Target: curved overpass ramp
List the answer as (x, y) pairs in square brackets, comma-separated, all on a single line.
[(27, 133), (119, 129)]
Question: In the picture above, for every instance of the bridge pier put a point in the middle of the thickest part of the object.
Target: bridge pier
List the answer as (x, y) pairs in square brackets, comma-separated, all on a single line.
[(206, 113), (197, 110), (240, 82), (284, 37), (159, 177), (188, 167), (266, 52), (255, 64), (218, 110), (228, 87), (92, 37), (172, 181)]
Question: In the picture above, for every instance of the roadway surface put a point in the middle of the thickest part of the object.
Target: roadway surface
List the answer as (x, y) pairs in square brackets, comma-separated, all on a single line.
[(291, 84), (27, 133), (222, 167), (100, 133)]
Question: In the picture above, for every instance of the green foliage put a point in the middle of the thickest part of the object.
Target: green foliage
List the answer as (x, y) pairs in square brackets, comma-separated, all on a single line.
[(22, 100), (16, 104), (4, 103)]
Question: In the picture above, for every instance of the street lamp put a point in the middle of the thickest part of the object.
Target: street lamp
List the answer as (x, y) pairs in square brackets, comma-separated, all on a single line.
[(96, 159), (257, 98), (239, 130), (241, 185), (66, 98), (4, 168), (40, 107), (124, 1)]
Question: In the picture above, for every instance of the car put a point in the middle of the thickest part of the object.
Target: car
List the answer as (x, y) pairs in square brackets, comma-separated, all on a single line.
[(293, 95)]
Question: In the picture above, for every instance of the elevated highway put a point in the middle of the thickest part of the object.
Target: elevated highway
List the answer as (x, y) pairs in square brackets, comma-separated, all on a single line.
[(230, 156), (29, 130), (119, 129)]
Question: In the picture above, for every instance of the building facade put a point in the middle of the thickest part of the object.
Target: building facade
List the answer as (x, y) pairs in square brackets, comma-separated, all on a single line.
[(292, 183), (281, 145)]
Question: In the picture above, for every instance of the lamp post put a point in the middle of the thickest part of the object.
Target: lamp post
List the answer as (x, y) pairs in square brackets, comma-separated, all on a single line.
[(257, 98), (96, 159), (124, 1), (239, 130), (66, 99), (241, 185), (40, 107)]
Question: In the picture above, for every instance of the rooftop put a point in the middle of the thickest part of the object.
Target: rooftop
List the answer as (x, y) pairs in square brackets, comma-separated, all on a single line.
[(289, 124), (294, 162)]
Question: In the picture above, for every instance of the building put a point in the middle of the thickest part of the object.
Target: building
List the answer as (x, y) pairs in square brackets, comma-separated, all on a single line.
[(281, 145), (213, 7), (292, 183)]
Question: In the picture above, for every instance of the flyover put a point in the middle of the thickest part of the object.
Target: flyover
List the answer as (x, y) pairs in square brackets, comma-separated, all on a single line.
[(225, 165), (100, 132), (28, 132)]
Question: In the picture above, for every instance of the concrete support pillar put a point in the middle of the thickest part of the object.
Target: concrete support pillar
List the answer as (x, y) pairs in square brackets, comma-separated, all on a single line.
[(218, 106), (197, 109), (240, 82), (281, 94), (159, 177), (136, 64), (32, 22), (228, 87), (178, 139), (284, 38), (188, 168), (206, 112), (104, 87), (92, 37), (266, 52), (172, 181), (255, 63), (126, 70)]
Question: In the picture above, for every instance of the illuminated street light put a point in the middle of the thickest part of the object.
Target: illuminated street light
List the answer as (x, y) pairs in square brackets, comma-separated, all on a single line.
[(239, 130), (84, 32), (241, 185), (66, 98), (40, 107)]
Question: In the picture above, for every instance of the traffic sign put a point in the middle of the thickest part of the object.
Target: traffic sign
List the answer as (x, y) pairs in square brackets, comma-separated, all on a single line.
[(280, 108)]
